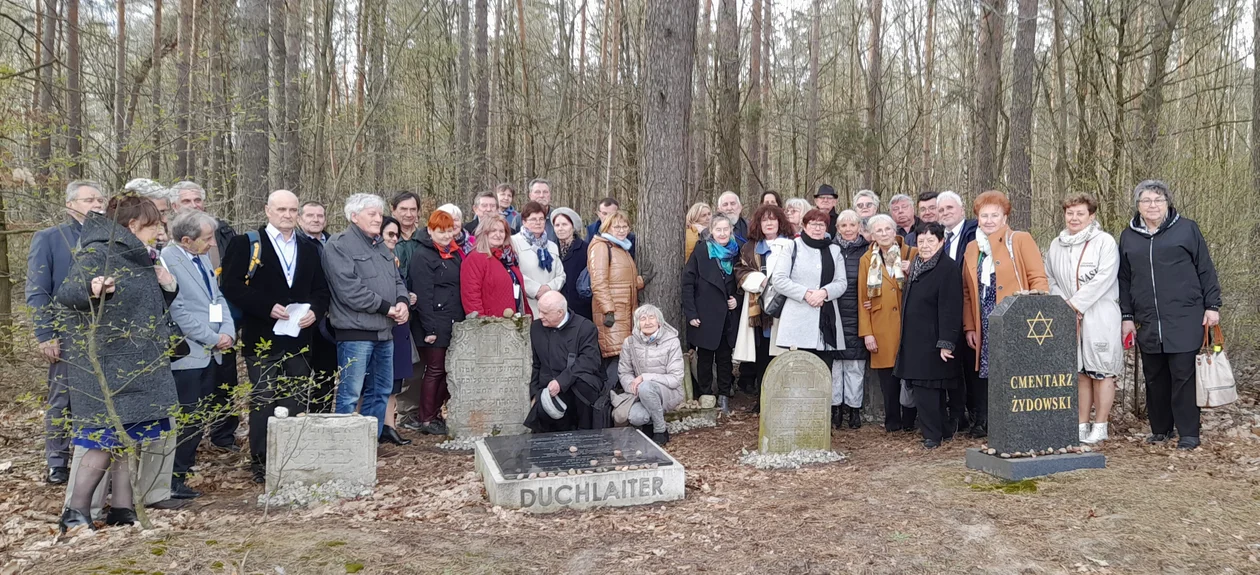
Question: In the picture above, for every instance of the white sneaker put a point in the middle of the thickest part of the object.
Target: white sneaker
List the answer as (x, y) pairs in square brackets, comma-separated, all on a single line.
[(1084, 432), (1097, 434)]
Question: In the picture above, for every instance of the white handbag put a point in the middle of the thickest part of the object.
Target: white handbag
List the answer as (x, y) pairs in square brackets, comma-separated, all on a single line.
[(1214, 379)]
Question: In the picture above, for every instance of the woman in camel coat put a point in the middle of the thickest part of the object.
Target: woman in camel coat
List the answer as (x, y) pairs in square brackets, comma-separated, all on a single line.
[(1000, 263), (880, 296), (615, 285)]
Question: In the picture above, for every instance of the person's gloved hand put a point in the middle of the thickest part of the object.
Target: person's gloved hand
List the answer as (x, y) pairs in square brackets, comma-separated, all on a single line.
[(609, 319)]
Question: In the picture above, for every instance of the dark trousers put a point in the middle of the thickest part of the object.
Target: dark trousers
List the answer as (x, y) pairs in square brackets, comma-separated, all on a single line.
[(612, 371), (971, 397), (433, 390), (750, 372), (896, 416), (705, 360), (194, 387), (57, 417), (1170, 393), (323, 365), (279, 381), (932, 412), (223, 429)]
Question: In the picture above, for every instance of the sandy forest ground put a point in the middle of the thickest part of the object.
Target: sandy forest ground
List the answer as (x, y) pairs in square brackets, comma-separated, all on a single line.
[(890, 508)]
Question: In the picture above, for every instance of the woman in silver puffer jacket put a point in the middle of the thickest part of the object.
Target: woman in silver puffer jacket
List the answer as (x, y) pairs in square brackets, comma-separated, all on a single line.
[(651, 369)]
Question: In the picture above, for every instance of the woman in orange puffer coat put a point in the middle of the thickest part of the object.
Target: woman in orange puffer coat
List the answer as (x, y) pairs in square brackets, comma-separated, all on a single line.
[(615, 285)]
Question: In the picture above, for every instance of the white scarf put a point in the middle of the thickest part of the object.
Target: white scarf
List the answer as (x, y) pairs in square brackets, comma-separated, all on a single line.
[(986, 259), (1069, 239)]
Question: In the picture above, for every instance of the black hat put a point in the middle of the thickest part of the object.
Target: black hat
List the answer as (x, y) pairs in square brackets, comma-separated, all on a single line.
[(826, 190)]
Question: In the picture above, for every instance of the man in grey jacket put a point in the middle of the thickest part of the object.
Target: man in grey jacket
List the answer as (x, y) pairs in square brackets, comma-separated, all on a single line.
[(201, 314), (368, 300)]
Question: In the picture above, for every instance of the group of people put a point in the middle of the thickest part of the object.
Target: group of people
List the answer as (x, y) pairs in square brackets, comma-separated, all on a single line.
[(910, 294), (147, 301)]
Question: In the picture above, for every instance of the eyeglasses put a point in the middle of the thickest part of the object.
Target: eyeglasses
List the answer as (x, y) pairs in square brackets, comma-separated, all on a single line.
[(816, 224), (865, 205), (1152, 202)]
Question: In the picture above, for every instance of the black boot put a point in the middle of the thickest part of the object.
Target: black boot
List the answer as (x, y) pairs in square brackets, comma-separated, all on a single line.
[(180, 490), (855, 418), (661, 438), (837, 417), (121, 516), (390, 435), (71, 518)]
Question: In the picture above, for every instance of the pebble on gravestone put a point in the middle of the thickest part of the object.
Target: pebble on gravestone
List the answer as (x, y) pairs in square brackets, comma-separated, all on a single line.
[(795, 404), (488, 368), (1032, 375)]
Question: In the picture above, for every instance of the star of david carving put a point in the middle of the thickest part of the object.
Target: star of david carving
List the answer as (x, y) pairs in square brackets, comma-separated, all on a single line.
[(1039, 328)]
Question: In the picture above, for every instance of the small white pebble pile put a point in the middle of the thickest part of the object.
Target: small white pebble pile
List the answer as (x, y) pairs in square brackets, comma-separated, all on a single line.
[(792, 460), (689, 423), (463, 444), (299, 495)]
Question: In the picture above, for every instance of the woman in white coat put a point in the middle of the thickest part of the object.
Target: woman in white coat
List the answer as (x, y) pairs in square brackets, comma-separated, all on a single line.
[(1083, 266), (539, 257), (811, 274)]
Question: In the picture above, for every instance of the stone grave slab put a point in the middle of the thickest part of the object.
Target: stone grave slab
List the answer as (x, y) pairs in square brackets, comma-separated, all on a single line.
[(318, 448), (488, 367), (795, 404), (1032, 389), (549, 472)]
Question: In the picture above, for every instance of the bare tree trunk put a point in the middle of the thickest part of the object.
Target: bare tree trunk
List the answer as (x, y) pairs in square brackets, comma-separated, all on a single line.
[(767, 43), (875, 100), (753, 131), (74, 93), (155, 100), (254, 97), (183, 86), (378, 80), (122, 169), (1061, 177), (812, 115), (481, 97), (275, 81), (531, 167), (729, 157), (1255, 102), (929, 97), (988, 94), (670, 38), (47, 109), (1165, 15), (463, 111), (219, 179), (700, 187), (295, 29), (1023, 98), (323, 85)]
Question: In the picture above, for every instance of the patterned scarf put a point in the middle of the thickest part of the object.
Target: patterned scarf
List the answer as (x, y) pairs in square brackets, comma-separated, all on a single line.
[(724, 254), (565, 247), (875, 273), (920, 267), (539, 244), (1069, 239), (506, 256)]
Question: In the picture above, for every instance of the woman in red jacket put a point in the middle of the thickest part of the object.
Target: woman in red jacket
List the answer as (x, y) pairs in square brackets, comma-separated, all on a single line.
[(490, 279)]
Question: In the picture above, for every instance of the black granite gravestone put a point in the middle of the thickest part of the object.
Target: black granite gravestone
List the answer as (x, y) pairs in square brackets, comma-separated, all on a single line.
[(579, 450), (1032, 387)]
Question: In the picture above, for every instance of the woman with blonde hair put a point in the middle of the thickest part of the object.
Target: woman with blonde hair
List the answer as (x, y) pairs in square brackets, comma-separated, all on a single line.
[(881, 282), (795, 209), (615, 285), (698, 218), (490, 278)]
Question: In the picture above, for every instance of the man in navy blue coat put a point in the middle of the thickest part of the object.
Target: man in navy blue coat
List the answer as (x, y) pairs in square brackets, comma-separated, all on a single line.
[(607, 207), (46, 267)]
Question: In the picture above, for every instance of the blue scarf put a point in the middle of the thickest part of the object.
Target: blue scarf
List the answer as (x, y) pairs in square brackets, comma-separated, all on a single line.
[(625, 244), (539, 243), (725, 255)]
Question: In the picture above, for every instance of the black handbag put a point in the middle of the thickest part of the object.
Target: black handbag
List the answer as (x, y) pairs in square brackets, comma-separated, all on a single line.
[(772, 302)]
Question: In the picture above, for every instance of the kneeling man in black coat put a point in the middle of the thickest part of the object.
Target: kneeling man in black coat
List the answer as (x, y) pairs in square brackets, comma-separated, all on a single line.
[(567, 368)]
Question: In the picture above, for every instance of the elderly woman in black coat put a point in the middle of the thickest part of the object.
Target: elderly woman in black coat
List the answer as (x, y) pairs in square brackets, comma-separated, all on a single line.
[(434, 278), (710, 300), (117, 293), (933, 307), (1169, 295), (848, 371)]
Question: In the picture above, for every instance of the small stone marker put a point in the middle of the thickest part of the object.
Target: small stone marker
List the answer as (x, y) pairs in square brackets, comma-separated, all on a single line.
[(1032, 389), (795, 404), (319, 448), (548, 472), (488, 367)]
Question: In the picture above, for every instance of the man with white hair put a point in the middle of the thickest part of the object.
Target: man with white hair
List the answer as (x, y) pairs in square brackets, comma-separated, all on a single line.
[(368, 299), (47, 264), (265, 272), (866, 204), (567, 385), (190, 195), (901, 208), (730, 206), (201, 314), (960, 231)]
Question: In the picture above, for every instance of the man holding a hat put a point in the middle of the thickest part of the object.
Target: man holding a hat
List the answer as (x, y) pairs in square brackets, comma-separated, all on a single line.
[(825, 199), (567, 385)]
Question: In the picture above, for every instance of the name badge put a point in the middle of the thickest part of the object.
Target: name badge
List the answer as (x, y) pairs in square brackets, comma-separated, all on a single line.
[(516, 291), (216, 313)]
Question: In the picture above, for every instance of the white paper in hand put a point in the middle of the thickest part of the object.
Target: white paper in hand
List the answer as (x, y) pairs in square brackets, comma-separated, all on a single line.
[(290, 326)]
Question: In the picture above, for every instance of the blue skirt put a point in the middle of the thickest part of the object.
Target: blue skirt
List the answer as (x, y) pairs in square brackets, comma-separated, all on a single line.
[(107, 437)]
